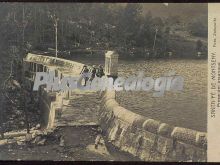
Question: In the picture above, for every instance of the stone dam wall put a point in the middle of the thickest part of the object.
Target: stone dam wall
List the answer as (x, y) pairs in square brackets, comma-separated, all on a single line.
[(145, 138), (50, 104), (148, 139)]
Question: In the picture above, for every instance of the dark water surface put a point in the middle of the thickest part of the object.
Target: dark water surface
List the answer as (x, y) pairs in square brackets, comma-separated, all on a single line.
[(187, 108)]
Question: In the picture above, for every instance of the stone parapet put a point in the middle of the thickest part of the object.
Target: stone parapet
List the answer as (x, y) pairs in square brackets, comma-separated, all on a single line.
[(149, 139)]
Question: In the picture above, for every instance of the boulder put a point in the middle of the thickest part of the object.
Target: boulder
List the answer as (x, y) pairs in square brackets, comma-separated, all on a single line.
[(42, 142), (61, 141), (3, 142), (28, 137)]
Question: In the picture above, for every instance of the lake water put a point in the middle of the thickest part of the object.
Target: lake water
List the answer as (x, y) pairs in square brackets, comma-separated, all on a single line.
[(187, 108)]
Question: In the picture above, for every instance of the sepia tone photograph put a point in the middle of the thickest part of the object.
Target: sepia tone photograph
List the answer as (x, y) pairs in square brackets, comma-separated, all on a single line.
[(103, 81)]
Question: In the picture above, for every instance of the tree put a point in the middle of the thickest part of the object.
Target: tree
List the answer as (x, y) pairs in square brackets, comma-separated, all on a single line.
[(199, 27), (199, 46), (173, 20), (130, 23)]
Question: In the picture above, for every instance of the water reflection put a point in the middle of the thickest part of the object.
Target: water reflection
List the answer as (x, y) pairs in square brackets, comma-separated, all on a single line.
[(187, 108)]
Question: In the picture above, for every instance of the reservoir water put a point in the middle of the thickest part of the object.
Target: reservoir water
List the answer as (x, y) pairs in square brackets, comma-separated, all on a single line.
[(187, 108)]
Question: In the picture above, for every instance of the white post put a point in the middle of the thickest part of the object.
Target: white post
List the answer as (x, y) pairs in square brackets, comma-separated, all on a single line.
[(111, 64)]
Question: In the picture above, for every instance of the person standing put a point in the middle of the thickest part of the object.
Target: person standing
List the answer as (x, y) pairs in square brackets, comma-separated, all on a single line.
[(100, 71), (93, 73), (85, 74)]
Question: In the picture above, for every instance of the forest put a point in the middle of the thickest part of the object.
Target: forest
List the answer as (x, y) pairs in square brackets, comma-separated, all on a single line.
[(131, 29)]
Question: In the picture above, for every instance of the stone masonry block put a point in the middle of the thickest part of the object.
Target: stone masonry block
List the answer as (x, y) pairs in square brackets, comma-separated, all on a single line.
[(201, 139), (164, 145), (165, 130), (185, 135), (151, 125)]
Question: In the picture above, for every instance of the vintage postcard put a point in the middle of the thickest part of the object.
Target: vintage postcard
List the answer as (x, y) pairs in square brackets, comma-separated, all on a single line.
[(110, 82)]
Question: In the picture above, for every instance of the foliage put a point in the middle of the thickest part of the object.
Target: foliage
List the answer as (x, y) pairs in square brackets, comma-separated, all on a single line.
[(199, 27), (88, 25)]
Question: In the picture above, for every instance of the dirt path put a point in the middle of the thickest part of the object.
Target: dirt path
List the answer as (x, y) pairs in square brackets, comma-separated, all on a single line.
[(79, 146)]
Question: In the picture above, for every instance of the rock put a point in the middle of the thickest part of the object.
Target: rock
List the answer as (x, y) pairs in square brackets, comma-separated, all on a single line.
[(37, 126), (61, 141), (11, 141), (99, 130), (41, 142), (28, 137), (9, 147), (37, 133), (34, 134), (50, 131), (20, 138), (3, 142), (36, 139), (97, 140), (33, 128), (102, 142), (20, 143)]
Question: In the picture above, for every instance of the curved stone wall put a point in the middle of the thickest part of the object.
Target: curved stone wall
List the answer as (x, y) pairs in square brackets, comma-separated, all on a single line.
[(50, 102), (149, 139), (48, 60)]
